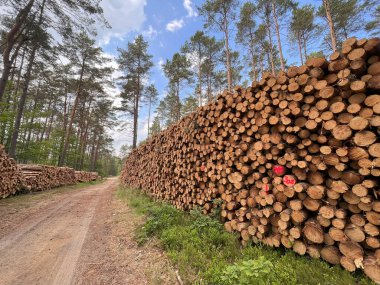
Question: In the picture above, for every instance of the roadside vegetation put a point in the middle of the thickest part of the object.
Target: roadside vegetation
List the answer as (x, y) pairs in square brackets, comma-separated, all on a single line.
[(206, 254), (23, 199)]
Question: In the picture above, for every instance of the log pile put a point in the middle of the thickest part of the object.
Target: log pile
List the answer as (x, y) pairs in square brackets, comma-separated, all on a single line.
[(43, 177), (10, 178), (83, 176), (295, 159), (35, 177)]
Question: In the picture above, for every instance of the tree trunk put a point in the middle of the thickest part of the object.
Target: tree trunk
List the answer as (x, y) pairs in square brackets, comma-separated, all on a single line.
[(304, 47), (11, 38), (64, 126), (136, 113), (278, 36), (72, 116), (84, 138), (150, 105), (21, 103), (200, 76), (209, 88), (31, 123), (42, 134), (178, 111), (267, 22), (254, 70), (261, 64), (228, 57), (299, 47), (95, 157), (326, 5)]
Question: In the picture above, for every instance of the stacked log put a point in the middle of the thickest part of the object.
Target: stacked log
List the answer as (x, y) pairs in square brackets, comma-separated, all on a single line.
[(295, 159), (43, 177), (35, 177), (83, 176), (10, 178)]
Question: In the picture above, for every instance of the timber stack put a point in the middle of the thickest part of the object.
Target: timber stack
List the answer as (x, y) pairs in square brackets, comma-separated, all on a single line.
[(10, 177), (43, 177), (34, 177), (83, 176), (294, 158)]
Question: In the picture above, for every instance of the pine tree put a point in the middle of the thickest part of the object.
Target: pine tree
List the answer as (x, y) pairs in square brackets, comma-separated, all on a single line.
[(246, 27), (219, 14), (62, 16), (214, 78), (196, 47), (303, 28), (279, 10), (345, 18), (151, 96), (177, 71), (83, 54), (189, 105), (156, 126), (373, 26), (135, 62)]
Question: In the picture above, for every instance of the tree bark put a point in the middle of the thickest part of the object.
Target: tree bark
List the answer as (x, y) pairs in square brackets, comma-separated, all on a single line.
[(326, 5), (11, 39), (278, 36)]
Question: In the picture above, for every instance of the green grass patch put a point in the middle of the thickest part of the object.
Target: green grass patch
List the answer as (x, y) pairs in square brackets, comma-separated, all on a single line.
[(206, 254)]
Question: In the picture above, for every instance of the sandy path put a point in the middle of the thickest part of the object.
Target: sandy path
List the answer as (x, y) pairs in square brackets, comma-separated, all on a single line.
[(74, 238)]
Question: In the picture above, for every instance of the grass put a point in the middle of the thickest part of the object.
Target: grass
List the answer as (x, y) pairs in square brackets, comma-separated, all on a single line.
[(206, 254), (22, 198)]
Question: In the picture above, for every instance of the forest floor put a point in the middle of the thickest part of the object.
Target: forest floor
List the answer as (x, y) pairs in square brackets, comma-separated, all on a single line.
[(76, 235)]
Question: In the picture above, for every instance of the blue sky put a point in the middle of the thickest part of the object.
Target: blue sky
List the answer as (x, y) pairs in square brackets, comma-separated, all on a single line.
[(166, 25)]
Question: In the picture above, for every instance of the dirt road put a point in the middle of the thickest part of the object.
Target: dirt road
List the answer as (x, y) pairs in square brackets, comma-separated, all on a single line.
[(82, 236)]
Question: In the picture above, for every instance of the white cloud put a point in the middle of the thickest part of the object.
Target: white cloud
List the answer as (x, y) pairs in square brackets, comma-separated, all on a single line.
[(175, 25), (190, 11), (124, 16), (160, 67), (150, 33), (160, 62)]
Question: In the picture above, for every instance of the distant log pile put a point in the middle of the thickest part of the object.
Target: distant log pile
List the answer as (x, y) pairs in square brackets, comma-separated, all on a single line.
[(10, 178), (83, 176), (34, 177), (295, 159)]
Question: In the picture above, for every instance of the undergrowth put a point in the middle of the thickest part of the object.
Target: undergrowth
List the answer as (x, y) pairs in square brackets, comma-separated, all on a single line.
[(206, 254)]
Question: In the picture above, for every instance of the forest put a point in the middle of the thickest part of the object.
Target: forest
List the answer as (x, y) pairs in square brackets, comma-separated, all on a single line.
[(55, 106)]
